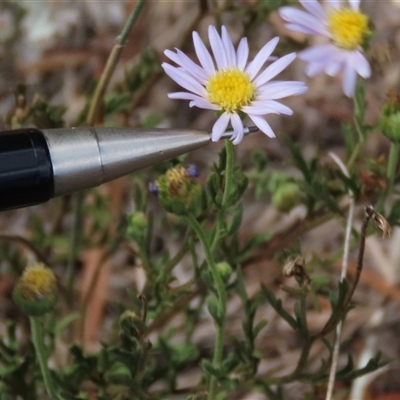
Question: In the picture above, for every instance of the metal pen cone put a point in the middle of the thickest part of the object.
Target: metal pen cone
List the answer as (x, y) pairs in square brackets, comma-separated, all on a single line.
[(86, 157), (247, 130)]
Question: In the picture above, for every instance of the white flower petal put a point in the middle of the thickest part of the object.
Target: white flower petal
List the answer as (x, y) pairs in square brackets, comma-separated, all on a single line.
[(300, 20), (185, 62), (205, 104), (332, 69), (242, 54), (308, 30), (267, 107), (230, 50), (261, 57), (354, 4), (218, 48), (313, 69), (192, 67), (335, 3), (195, 101), (263, 125), (274, 69), (349, 80), (313, 7), (238, 129), (317, 53), (280, 89), (184, 80), (184, 96), (203, 55), (220, 127), (361, 65)]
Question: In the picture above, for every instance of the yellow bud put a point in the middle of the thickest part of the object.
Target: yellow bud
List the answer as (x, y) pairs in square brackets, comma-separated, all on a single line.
[(35, 291)]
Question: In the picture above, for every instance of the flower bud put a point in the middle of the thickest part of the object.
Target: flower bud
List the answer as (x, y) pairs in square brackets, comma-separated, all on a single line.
[(138, 223), (180, 193), (36, 291), (224, 270), (389, 119), (286, 196)]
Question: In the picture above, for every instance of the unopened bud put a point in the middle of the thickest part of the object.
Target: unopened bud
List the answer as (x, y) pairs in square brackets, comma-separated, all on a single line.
[(286, 196), (36, 292), (389, 119), (225, 271), (180, 193), (138, 223)]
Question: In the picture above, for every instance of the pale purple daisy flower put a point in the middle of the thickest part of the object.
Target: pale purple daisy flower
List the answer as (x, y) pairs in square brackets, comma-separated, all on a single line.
[(346, 28), (229, 84)]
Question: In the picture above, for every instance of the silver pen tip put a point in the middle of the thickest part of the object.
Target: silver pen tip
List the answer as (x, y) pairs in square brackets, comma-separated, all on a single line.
[(247, 130)]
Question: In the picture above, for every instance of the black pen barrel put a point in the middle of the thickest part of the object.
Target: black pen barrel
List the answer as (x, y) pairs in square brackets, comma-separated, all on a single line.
[(26, 172)]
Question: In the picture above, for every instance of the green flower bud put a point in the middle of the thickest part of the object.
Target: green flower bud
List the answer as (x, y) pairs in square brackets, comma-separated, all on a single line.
[(225, 271), (138, 224), (36, 291), (286, 196), (389, 119), (180, 193), (118, 374)]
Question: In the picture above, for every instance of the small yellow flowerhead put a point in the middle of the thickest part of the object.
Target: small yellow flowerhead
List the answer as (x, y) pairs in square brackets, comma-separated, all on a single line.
[(349, 28), (180, 193), (35, 291)]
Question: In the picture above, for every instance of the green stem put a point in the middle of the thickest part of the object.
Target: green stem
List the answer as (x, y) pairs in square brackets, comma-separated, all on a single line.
[(353, 156), (230, 157), (217, 13), (390, 175), (229, 166), (112, 63), (392, 164), (305, 351), (37, 338), (220, 326)]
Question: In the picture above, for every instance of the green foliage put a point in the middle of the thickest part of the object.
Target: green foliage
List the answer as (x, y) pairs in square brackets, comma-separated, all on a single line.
[(39, 113)]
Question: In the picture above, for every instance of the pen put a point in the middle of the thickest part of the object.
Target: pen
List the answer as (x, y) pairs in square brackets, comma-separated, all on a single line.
[(37, 165)]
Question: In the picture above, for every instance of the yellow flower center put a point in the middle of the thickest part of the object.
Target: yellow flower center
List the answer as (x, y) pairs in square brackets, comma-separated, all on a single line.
[(177, 178), (349, 28), (37, 281), (231, 89)]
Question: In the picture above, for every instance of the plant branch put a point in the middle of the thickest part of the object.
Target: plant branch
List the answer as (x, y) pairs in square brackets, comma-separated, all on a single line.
[(112, 63), (338, 314), (24, 242), (37, 338), (345, 261), (219, 325)]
